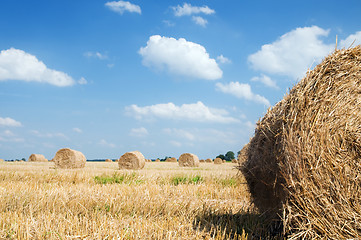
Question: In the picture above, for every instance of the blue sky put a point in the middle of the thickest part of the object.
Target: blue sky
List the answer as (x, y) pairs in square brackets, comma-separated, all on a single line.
[(161, 77)]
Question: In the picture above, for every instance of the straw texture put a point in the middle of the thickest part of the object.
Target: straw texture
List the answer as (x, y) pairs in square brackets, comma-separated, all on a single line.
[(188, 160), (132, 160), (218, 161), (303, 164), (37, 158), (69, 158)]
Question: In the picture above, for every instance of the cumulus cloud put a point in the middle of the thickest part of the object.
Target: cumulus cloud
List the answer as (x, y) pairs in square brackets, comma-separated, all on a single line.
[(196, 112), (104, 143), (199, 21), (188, 9), (138, 132), (266, 80), (97, 55), (180, 57), (16, 64), (77, 130), (9, 122), (82, 81), (243, 91), (181, 133), (351, 41), (293, 53), (122, 6), (222, 59)]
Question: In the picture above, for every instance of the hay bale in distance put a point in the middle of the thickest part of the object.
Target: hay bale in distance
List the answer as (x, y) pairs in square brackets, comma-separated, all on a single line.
[(303, 162), (209, 160), (2, 160), (188, 160), (218, 161), (202, 161), (108, 160), (234, 161), (132, 160), (157, 160), (69, 158), (37, 158), (172, 159)]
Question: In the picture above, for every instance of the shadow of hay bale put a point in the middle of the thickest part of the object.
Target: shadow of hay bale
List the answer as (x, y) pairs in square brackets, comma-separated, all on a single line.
[(237, 225)]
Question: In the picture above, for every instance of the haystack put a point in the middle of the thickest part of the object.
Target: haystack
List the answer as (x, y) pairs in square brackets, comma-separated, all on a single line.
[(172, 159), (132, 160), (157, 160), (37, 158), (188, 160), (234, 161), (218, 161), (69, 158), (304, 162), (2, 160), (208, 160), (242, 156), (108, 160), (202, 161)]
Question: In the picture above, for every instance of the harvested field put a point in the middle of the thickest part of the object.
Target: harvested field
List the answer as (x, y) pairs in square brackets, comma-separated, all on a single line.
[(160, 201)]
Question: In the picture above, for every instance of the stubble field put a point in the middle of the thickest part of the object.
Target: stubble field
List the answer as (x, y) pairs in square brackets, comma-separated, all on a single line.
[(161, 201)]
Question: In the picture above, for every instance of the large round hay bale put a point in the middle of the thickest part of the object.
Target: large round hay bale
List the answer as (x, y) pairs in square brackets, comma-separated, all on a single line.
[(208, 160), (37, 158), (218, 161), (304, 161), (132, 160), (69, 158), (188, 160)]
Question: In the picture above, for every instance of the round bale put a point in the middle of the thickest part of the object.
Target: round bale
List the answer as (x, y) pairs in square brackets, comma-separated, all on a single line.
[(218, 161), (188, 160), (37, 158), (132, 160), (69, 158), (172, 159), (303, 164), (108, 160), (208, 160)]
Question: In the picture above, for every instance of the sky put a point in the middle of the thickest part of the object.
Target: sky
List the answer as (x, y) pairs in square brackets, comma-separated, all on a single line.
[(161, 77)]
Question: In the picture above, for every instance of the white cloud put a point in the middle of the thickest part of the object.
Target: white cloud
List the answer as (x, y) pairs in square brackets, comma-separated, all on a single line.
[(104, 143), (188, 9), (122, 6), (82, 81), (199, 21), (196, 112), (179, 133), (96, 55), (16, 64), (222, 59), (138, 132), (9, 122), (293, 53), (8, 133), (77, 130), (180, 57), (48, 135), (242, 90), (266, 80), (351, 41)]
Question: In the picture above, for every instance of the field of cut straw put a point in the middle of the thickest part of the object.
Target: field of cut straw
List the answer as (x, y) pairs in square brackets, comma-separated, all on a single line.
[(161, 201)]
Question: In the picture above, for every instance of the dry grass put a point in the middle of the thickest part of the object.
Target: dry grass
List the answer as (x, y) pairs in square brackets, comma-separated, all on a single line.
[(161, 201)]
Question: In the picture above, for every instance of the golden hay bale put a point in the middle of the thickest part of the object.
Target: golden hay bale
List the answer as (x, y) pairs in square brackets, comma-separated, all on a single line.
[(37, 158), (234, 161), (242, 156), (69, 158), (132, 160), (208, 160), (218, 161), (172, 159), (202, 161), (188, 160), (2, 160), (108, 160), (303, 162), (157, 160), (224, 161)]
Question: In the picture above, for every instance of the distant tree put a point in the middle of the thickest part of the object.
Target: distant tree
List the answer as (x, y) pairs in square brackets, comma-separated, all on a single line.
[(23, 159), (221, 156), (229, 156)]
